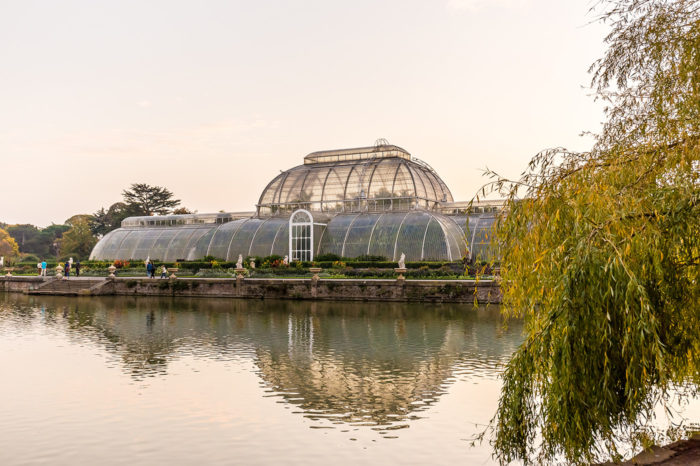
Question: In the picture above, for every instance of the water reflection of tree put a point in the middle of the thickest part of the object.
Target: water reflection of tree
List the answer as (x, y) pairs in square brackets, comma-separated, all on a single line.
[(362, 363)]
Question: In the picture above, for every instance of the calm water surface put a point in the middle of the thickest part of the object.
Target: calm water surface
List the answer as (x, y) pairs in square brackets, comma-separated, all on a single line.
[(184, 381)]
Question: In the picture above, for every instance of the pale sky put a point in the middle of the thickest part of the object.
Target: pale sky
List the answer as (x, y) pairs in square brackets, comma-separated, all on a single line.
[(211, 99)]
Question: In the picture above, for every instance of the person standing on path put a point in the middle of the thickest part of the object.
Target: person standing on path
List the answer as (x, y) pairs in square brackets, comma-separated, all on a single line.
[(66, 269), (43, 268), (77, 268), (163, 272)]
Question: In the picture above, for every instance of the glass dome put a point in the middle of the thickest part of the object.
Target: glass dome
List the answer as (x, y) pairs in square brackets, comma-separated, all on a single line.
[(370, 179)]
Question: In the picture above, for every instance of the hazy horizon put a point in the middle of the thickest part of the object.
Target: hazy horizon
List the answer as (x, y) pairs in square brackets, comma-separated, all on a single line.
[(212, 100)]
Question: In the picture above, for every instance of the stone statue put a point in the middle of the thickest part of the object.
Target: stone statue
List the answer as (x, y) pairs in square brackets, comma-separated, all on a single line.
[(148, 259), (239, 264), (402, 261), (252, 263), (285, 261), (2, 261), (70, 261)]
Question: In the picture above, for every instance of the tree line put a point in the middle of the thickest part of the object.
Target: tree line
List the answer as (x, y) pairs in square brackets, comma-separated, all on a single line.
[(78, 235)]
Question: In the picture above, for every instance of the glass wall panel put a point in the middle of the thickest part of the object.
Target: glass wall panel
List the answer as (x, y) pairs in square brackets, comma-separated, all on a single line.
[(482, 242), (199, 249), (147, 238), (383, 239), (126, 248), (112, 241), (410, 237), (262, 244), (280, 244), (160, 247), (334, 236), (190, 249), (434, 245), (240, 243), (420, 184), (403, 182), (334, 188), (178, 244), (222, 238), (357, 242)]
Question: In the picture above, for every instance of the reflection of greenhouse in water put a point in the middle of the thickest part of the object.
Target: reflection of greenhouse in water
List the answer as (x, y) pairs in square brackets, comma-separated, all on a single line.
[(378, 201), (371, 364)]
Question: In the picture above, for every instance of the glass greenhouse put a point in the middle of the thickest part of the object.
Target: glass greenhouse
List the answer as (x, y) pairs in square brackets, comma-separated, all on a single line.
[(376, 200)]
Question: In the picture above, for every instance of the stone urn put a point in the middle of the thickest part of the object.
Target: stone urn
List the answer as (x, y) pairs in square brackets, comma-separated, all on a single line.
[(172, 271), (240, 272), (315, 271), (9, 271), (111, 269), (400, 271), (59, 271)]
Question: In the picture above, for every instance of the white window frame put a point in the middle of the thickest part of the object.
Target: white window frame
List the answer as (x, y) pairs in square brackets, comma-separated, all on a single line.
[(296, 249)]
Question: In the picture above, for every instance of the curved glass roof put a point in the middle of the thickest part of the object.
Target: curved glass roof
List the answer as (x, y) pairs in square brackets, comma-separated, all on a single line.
[(372, 179)]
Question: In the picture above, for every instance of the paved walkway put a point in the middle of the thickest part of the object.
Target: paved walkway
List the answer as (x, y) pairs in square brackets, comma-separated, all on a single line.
[(681, 453)]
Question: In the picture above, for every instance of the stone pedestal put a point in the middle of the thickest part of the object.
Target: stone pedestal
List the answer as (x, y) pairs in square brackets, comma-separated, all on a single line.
[(315, 271), (111, 269), (59, 271), (400, 271)]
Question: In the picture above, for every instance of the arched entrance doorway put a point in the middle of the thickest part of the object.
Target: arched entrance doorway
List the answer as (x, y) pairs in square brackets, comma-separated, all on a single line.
[(301, 236)]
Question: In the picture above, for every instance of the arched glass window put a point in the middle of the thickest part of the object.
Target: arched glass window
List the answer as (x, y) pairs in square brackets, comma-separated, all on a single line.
[(301, 236)]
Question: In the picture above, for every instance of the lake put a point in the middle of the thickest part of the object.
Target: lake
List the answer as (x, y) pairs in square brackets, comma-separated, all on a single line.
[(135, 380)]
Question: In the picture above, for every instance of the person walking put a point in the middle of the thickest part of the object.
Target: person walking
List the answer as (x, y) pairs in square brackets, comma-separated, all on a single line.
[(150, 270), (43, 268), (77, 268), (163, 272), (66, 269)]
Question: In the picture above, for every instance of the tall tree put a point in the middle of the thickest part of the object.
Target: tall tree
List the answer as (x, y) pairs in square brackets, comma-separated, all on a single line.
[(602, 256), (151, 200), (8, 246), (103, 221), (79, 240)]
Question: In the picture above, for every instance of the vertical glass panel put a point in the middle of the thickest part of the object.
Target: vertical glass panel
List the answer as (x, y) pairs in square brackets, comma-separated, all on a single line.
[(334, 236), (455, 237), (434, 246), (431, 187), (147, 238), (403, 183), (418, 182), (352, 185), (241, 241), (292, 196), (280, 245), (334, 189), (382, 179), (481, 242), (383, 239), (218, 247), (126, 249), (410, 236), (263, 241), (159, 249), (178, 244), (112, 241), (190, 250), (357, 242), (199, 249)]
